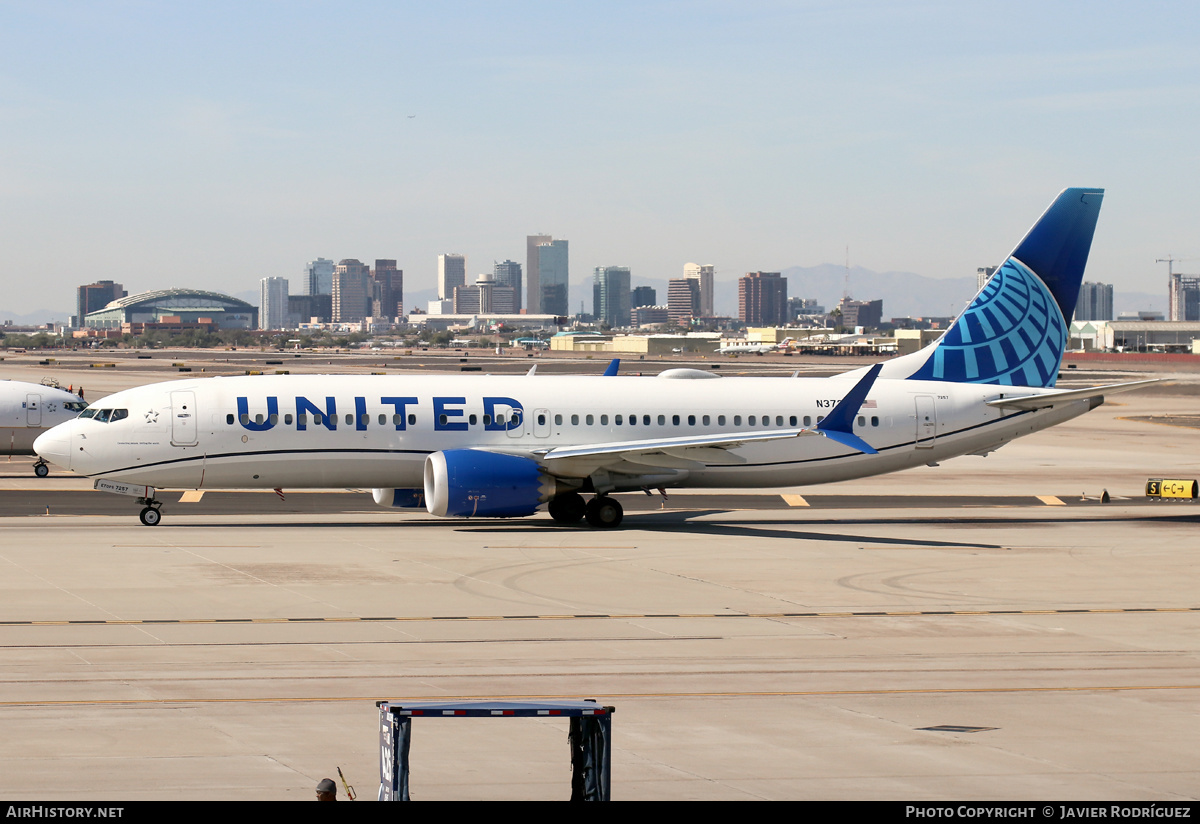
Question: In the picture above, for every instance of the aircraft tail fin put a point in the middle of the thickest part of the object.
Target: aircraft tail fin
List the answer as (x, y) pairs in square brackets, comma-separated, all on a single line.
[(1014, 332)]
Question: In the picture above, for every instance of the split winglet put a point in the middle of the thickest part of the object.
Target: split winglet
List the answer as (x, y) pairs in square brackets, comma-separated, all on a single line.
[(838, 425)]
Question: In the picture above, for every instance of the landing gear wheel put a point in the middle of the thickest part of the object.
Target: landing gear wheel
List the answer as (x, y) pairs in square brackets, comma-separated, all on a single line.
[(604, 512), (150, 516), (40, 469), (568, 508)]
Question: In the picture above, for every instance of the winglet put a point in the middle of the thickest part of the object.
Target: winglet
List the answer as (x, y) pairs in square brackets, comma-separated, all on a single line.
[(838, 425), (612, 368)]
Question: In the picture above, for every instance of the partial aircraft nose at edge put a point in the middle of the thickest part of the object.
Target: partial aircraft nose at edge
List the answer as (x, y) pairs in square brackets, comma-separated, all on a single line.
[(54, 445)]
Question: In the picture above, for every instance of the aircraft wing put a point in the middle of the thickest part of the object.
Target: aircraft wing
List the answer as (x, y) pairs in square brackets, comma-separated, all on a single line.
[(1048, 399), (694, 452)]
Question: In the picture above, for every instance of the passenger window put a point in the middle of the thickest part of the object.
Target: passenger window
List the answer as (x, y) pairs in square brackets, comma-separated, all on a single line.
[(229, 418), (364, 419), (874, 420), (472, 419), (792, 420), (412, 420), (574, 420), (541, 419), (807, 420), (604, 420), (737, 420), (675, 420), (287, 419), (274, 419), (258, 418), (820, 418), (349, 419), (302, 419), (779, 420), (617, 420), (751, 420), (589, 420), (862, 421), (646, 420), (244, 418), (705, 420), (317, 419), (558, 420), (691, 420), (633, 420), (487, 420), (662, 420), (442, 420), (720, 420)]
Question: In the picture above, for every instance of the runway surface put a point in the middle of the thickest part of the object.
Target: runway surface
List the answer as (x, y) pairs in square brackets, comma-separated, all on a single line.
[(986, 629)]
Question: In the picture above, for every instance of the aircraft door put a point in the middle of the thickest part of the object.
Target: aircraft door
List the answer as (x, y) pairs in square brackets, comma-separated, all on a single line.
[(541, 423), (515, 428), (183, 419), (926, 421), (33, 410)]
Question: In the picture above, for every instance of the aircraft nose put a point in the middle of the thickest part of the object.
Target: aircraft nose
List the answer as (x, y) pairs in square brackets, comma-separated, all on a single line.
[(54, 445)]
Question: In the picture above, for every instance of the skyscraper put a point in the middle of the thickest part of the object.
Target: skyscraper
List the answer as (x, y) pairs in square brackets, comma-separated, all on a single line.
[(612, 295), (1095, 302), (95, 296), (273, 303), (351, 291), (553, 283), (387, 290), (703, 275), (452, 272), (643, 296), (318, 277), (683, 300), (762, 299), (533, 280), (508, 274)]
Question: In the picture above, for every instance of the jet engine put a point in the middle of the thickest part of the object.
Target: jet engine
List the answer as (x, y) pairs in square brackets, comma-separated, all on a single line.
[(468, 483), (401, 498)]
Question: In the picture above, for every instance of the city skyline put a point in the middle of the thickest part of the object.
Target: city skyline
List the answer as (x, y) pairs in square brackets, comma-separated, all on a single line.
[(919, 137)]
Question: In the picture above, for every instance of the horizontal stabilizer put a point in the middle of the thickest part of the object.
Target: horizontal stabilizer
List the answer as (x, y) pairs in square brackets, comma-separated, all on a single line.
[(1045, 400)]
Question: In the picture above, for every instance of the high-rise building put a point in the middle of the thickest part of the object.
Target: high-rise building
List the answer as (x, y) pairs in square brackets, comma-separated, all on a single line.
[(485, 297), (762, 299), (452, 272), (553, 282), (387, 290), (982, 275), (864, 313), (1184, 297), (702, 274), (508, 274), (273, 303), (95, 296), (1095, 302), (318, 277), (533, 280), (611, 295), (351, 291), (683, 300), (643, 296)]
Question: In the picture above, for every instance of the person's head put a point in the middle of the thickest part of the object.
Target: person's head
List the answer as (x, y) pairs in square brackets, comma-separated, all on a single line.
[(326, 790)]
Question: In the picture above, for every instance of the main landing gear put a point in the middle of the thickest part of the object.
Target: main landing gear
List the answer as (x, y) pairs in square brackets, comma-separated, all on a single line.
[(601, 512), (152, 514)]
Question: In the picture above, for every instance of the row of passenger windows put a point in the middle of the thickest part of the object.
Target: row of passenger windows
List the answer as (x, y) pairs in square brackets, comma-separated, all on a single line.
[(588, 420)]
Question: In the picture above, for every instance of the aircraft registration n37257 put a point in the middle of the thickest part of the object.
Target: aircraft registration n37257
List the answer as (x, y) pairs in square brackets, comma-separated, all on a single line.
[(493, 446)]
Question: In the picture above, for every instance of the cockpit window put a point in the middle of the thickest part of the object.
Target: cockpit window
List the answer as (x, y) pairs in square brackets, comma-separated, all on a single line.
[(75, 406), (105, 415)]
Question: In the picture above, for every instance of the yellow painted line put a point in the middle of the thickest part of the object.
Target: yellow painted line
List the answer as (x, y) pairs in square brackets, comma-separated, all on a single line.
[(192, 496), (1050, 500), (795, 500)]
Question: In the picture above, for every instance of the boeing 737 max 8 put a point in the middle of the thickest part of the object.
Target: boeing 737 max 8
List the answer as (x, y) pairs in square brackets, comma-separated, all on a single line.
[(492, 446)]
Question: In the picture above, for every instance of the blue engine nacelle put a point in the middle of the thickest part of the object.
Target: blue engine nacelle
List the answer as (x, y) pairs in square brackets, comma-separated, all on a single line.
[(402, 498), (469, 483)]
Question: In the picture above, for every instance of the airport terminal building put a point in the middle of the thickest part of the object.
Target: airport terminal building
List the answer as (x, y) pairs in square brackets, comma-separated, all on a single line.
[(175, 306)]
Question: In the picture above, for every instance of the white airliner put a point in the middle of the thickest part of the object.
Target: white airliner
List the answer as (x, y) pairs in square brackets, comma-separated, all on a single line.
[(492, 446), (754, 348), (29, 409)]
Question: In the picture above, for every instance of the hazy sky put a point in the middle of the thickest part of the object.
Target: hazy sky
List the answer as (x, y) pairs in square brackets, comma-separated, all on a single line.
[(211, 144)]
